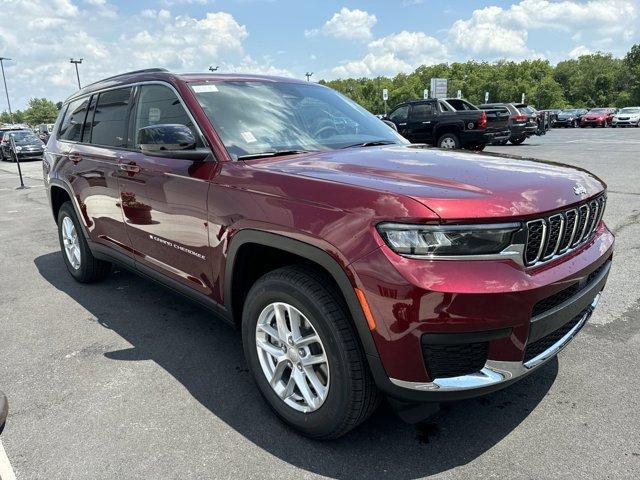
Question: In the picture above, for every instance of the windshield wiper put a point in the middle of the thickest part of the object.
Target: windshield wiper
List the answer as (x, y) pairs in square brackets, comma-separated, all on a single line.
[(372, 144), (271, 153)]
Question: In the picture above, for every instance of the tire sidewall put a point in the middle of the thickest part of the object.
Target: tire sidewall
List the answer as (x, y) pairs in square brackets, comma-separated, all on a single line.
[(329, 415), (67, 211)]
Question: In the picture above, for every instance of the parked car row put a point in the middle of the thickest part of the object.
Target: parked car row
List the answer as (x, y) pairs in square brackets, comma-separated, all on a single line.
[(598, 117)]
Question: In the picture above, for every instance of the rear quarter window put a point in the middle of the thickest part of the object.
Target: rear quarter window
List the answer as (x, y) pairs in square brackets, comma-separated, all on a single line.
[(73, 120)]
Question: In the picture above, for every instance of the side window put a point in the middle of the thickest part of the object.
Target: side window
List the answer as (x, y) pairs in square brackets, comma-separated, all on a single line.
[(109, 120), (159, 105), (444, 107), (71, 125), (400, 114), (421, 112)]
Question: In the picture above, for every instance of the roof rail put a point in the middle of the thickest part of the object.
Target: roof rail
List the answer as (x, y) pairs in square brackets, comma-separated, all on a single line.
[(144, 70)]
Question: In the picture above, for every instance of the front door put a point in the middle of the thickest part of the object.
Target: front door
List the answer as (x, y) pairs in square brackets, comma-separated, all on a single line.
[(164, 199), (420, 123)]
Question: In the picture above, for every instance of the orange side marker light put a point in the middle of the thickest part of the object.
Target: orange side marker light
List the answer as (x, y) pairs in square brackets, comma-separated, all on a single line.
[(365, 308)]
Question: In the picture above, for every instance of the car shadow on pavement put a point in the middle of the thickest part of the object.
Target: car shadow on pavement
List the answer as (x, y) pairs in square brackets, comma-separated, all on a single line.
[(205, 356)]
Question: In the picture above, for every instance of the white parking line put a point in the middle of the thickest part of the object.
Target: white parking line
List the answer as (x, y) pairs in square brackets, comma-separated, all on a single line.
[(6, 471)]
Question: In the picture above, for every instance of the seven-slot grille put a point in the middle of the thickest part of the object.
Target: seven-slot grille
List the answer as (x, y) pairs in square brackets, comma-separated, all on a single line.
[(561, 232)]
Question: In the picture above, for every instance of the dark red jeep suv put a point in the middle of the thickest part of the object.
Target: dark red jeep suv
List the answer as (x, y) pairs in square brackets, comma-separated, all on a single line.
[(356, 265)]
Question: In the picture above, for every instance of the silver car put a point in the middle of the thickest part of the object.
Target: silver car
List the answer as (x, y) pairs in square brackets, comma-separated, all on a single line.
[(627, 117)]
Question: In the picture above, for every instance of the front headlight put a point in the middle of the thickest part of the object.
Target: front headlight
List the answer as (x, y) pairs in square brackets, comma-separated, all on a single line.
[(454, 240), (18, 149)]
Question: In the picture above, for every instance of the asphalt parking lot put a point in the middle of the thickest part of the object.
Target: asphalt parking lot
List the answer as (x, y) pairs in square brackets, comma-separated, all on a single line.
[(124, 379)]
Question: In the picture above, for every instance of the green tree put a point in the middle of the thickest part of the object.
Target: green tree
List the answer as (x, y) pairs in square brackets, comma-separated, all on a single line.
[(41, 110)]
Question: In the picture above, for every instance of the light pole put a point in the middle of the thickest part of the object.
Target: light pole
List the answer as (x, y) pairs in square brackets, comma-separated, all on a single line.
[(308, 75), (213, 69), (4, 79), (76, 62)]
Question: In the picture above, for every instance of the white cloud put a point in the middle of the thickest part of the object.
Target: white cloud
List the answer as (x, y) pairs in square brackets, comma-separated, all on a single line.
[(51, 31), (350, 24), (400, 52), (495, 31), (579, 51)]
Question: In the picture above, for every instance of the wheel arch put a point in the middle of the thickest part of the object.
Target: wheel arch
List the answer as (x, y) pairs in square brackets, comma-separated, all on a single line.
[(307, 253)]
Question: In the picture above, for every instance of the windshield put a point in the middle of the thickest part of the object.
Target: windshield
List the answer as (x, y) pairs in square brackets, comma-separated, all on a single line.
[(254, 117), (25, 138), (574, 110), (630, 110), (598, 110)]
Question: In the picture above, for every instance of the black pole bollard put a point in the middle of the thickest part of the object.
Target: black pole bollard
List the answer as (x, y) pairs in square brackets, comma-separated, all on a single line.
[(15, 155)]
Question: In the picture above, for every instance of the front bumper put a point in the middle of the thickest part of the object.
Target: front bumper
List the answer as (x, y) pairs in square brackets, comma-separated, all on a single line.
[(472, 302)]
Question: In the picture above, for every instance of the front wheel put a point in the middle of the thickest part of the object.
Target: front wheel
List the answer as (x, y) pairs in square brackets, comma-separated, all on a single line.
[(517, 140), (304, 354), (449, 141)]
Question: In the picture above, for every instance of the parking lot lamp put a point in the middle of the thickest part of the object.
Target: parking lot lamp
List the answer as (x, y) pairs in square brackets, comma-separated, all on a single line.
[(76, 62), (4, 79)]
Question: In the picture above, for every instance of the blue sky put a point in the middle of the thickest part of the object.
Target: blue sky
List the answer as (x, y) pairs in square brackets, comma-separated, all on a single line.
[(330, 38)]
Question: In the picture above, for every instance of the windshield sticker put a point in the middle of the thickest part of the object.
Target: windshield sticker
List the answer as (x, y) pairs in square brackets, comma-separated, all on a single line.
[(154, 115), (248, 137), (205, 88)]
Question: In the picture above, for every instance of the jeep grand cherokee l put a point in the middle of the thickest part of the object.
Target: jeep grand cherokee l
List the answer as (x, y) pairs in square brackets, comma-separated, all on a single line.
[(355, 264)]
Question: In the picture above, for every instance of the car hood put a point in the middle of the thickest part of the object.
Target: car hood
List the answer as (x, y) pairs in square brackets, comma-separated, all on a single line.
[(455, 185)]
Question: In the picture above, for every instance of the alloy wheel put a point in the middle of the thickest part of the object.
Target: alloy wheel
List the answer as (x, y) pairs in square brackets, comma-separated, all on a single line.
[(448, 143), (292, 357), (71, 242)]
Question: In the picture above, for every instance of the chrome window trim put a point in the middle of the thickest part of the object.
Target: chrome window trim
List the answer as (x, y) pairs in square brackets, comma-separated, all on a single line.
[(132, 85)]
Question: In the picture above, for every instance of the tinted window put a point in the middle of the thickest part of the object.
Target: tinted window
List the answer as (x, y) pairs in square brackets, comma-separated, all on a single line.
[(400, 114), (459, 104), (71, 126), (421, 112), (109, 120), (159, 105)]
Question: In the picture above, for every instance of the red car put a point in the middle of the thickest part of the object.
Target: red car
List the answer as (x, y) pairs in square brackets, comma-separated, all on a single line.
[(598, 117), (355, 264)]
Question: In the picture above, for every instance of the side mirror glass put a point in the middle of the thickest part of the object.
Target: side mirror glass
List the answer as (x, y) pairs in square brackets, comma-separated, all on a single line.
[(171, 141), (166, 137)]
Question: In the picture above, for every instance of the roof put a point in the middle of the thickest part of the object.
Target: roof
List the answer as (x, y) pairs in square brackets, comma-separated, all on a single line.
[(165, 75)]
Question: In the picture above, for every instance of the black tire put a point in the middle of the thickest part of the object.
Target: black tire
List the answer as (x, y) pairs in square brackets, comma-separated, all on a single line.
[(352, 395), (448, 136), (517, 140), (91, 269)]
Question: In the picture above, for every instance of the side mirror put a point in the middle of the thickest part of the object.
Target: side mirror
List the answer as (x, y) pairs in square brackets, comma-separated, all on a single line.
[(170, 140), (391, 124)]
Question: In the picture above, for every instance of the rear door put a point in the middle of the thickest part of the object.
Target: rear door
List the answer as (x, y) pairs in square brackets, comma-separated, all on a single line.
[(92, 136), (421, 122), (164, 198)]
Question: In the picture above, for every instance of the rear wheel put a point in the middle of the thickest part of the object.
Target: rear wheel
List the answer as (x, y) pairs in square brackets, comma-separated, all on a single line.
[(303, 352), (80, 262), (517, 140), (449, 141)]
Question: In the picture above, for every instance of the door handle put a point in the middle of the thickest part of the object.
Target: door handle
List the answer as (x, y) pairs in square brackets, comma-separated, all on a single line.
[(402, 124), (128, 167), (75, 157), (427, 122)]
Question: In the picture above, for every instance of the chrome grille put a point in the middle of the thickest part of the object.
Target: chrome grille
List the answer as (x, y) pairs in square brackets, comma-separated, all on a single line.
[(557, 234)]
